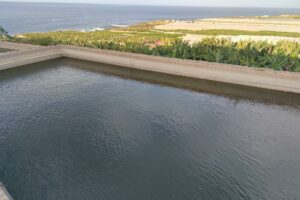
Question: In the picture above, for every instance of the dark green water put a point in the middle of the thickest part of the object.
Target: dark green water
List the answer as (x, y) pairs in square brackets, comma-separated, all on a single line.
[(72, 134)]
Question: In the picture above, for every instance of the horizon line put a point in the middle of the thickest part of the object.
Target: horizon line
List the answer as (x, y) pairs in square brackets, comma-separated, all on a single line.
[(116, 4)]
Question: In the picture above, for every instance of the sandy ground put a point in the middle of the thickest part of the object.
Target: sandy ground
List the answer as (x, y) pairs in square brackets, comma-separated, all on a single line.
[(193, 38), (282, 25), (274, 21)]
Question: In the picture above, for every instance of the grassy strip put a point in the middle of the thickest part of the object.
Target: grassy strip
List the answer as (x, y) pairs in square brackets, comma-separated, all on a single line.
[(145, 26), (215, 32), (106, 36)]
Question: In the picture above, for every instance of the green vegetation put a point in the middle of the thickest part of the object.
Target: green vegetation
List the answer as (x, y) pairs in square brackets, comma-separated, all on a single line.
[(146, 26), (94, 39), (150, 27), (280, 56), (3, 33), (216, 32), (142, 38)]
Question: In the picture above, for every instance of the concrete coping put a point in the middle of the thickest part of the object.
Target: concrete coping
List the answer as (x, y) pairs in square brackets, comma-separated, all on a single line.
[(16, 46), (267, 79), (4, 195)]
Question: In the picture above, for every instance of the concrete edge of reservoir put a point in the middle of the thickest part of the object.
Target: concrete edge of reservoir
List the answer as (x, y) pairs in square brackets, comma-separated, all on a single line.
[(276, 81), (4, 195)]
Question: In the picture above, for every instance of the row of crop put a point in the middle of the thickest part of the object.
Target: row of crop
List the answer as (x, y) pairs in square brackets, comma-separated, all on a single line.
[(215, 32), (280, 56), (89, 38)]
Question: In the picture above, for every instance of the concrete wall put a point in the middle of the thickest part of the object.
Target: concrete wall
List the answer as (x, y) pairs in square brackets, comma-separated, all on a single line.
[(3, 193), (287, 82)]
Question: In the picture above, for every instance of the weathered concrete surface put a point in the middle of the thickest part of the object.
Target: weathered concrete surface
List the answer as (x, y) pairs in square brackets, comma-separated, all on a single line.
[(16, 46), (4, 194), (263, 79), (267, 79), (23, 57), (2, 50)]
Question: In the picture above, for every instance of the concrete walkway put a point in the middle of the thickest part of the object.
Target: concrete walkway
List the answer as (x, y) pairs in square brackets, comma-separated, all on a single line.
[(287, 82)]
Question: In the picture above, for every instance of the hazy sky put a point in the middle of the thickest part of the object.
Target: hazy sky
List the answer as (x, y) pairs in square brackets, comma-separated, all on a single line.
[(237, 3)]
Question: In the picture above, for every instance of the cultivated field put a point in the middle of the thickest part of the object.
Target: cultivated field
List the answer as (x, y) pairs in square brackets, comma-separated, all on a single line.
[(194, 38)]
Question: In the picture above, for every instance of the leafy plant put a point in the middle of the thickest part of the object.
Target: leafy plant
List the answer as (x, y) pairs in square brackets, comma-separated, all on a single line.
[(280, 56), (3, 33)]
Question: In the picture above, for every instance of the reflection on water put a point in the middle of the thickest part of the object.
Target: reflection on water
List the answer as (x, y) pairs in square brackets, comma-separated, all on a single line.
[(70, 133)]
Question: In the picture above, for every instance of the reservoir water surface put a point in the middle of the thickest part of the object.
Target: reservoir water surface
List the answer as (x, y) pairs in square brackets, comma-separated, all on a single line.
[(73, 133)]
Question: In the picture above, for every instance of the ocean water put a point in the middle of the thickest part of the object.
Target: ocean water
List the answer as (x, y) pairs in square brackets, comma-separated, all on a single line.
[(38, 17)]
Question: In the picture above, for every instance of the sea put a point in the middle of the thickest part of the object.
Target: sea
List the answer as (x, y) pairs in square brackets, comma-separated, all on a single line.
[(18, 17)]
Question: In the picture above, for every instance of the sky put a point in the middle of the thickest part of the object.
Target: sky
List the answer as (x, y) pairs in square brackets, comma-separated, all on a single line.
[(221, 3)]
